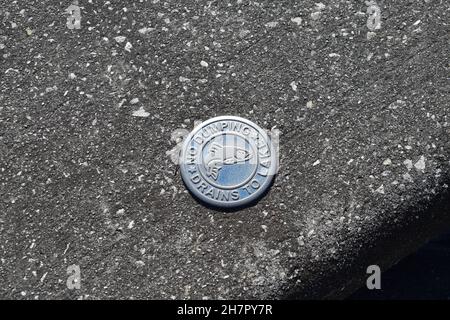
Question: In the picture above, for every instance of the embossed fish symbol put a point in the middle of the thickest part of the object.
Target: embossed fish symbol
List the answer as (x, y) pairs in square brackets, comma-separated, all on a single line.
[(219, 155)]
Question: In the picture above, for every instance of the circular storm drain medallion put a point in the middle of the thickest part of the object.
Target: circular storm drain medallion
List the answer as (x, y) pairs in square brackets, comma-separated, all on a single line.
[(228, 161)]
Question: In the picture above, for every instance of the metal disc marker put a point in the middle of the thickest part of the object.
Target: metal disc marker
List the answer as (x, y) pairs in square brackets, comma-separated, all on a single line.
[(228, 161)]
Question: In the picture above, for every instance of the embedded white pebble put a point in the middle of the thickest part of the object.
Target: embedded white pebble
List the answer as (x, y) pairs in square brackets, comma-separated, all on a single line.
[(204, 64), (370, 35), (141, 113), (380, 190), (316, 15), (43, 277), (397, 104), (420, 165), (120, 39), (145, 30), (140, 263), (320, 6), (294, 85), (387, 162), (128, 47), (408, 163), (271, 24), (297, 20)]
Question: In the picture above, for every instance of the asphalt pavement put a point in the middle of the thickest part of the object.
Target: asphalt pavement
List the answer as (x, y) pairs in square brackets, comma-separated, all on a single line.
[(87, 117)]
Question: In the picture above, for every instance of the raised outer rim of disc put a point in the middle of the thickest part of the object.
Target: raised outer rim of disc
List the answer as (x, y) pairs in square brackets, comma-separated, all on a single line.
[(233, 204)]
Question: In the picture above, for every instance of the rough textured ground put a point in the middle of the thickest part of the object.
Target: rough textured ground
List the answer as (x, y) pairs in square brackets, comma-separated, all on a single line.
[(86, 118)]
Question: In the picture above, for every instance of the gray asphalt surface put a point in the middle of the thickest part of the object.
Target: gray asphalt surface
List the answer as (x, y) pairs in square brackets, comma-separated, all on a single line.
[(86, 118)]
